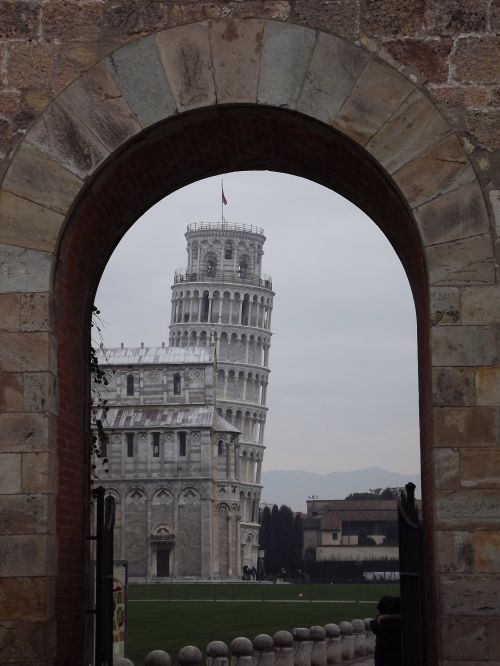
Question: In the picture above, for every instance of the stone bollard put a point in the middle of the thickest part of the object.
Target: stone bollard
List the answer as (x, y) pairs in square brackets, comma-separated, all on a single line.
[(318, 649), (347, 640), (157, 658), (263, 646), (284, 649), (303, 645), (241, 652), (190, 656), (358, 629), (122, 661), (217, 654), (333, 644), (370, 637)]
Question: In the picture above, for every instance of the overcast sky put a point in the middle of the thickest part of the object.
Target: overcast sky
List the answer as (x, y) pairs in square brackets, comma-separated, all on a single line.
[(343, 387)]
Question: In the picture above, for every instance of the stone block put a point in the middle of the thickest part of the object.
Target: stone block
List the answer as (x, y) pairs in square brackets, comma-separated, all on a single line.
[(27, 555), (27, 514), (488, 386), (466, 426), (40, 392), (34, 176), (463, 345), (236, 50), (379, 91), (455, 215), (286, 53), (97, 101), (429, 174), (445, 17), (453, 387), (446, 468), (464, 638), (19, 19), (428, 57), (334, 68), (11, 391), (35, 312), (26, 433), (27, 224), (462, 262), (480, 468), (334, 16), (138, 72), (24, 598), (480, 305), (128, 19), (187, 60), (468, 509), (39, 472), (487, 551), (10, 312), (466, 594), (455, 551), (494, 196), (476, 59), (415, 126), (392, 17), (24, 270), (24, 642), (10, 474), (444, 305), (71, 21), (31, 64), (484, 128), (21, 352), (66, 139)]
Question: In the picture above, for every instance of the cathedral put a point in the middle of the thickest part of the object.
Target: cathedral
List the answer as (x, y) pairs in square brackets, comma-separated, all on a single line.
[(186, 422)]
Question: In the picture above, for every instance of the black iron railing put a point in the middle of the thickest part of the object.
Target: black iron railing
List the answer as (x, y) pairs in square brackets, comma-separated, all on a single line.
[(224, 277), (229, 226), (105, 521)]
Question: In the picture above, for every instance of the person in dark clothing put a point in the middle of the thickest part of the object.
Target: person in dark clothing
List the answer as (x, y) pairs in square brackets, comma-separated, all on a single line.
[(387, 629)]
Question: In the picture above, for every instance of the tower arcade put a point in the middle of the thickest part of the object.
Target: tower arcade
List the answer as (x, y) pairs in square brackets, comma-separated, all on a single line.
[(223, 297)]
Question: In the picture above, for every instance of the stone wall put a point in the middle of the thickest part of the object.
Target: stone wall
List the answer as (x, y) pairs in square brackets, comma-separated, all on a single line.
[(411, 90)]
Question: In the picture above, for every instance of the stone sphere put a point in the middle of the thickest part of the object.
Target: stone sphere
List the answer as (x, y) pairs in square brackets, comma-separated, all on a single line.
[(332, 630), (283, 639), (263, 643), (157, 658), (317, 633), (122, 661), (301, 634), (346, 628), (217, 649), (189, 654), (358, 626), (242, 647), (367, 623)]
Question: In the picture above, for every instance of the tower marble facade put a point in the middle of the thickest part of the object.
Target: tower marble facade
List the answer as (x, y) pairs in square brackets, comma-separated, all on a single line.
[(223, 298)]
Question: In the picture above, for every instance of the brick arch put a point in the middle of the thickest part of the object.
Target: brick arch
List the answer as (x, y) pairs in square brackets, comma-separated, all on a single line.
[(259, 95)]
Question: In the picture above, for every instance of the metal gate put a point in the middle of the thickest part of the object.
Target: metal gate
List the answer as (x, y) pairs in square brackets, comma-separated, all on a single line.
[(412, 580), (105, 521)]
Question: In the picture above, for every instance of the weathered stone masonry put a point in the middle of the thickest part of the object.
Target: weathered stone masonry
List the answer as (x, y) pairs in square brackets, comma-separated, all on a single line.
[(106, 107)]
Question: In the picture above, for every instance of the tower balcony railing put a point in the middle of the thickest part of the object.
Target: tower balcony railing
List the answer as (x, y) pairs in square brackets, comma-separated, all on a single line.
[(224, 277), (224, 226)]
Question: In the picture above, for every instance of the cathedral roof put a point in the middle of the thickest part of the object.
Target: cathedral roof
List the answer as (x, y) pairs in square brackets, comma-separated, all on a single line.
[(154, 355), (144, 417)]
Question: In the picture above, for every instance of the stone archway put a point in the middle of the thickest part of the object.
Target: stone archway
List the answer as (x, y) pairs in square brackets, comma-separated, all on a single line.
[(198, 100)]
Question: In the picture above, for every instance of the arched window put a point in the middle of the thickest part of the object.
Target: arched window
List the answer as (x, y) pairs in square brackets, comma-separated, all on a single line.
[(130, 384), (211, 265), (228, 250), (243, 266), (156, 444), (130, 445), (182, 444), (220, 447), (194, 250), (177, 384)]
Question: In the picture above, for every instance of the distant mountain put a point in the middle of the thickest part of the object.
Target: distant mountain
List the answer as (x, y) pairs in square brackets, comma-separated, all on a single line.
[(293, 487)]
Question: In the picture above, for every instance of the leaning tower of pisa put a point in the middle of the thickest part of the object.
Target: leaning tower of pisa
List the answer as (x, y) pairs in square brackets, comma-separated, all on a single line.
[(223, 298)]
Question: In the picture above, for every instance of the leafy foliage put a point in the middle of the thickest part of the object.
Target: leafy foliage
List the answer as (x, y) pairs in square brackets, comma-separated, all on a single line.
[(281, 538), (377, 493), (99, 438)]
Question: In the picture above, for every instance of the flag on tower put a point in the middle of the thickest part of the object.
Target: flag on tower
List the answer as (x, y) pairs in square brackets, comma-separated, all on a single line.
[(224, 200)]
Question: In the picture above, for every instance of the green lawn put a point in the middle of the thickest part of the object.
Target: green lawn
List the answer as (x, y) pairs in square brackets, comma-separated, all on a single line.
[(167, 617)]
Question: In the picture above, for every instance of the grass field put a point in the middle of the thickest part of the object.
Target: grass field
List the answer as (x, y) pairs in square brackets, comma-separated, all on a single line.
[(168, 617)]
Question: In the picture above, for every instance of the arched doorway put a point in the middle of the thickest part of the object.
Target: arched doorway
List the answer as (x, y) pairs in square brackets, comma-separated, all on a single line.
[(312, 111)]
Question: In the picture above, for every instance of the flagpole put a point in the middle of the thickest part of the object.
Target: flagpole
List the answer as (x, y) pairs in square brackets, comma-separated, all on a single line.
[(221, 201)]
